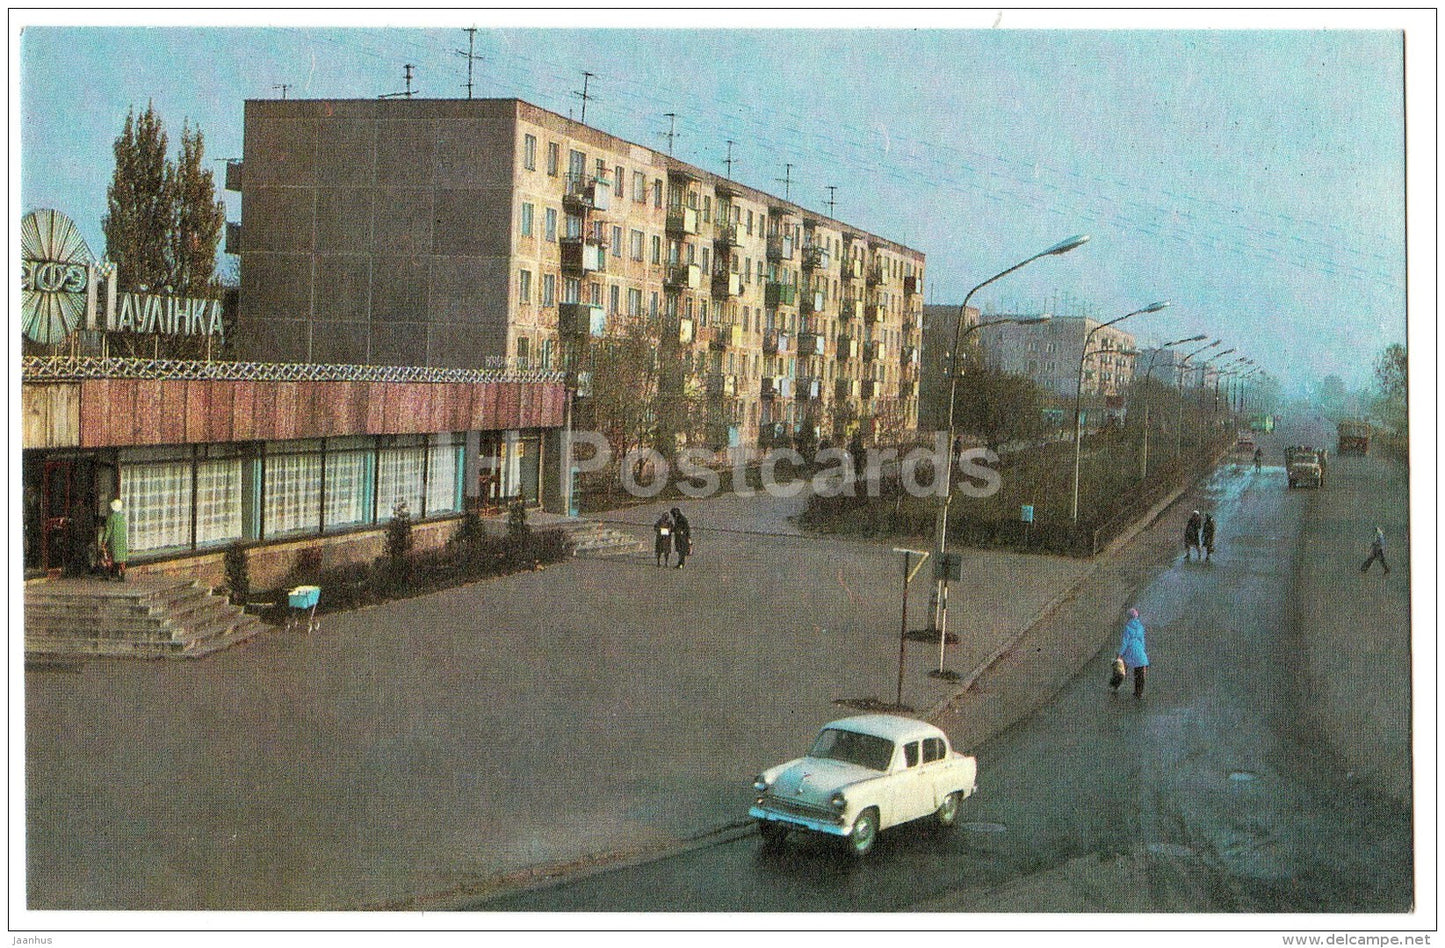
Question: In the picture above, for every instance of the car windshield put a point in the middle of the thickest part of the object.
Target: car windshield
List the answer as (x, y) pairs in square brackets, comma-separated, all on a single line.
[(865, 750)]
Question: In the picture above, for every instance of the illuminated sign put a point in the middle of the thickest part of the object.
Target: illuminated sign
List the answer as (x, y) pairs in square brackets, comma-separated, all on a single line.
[(165, 315)]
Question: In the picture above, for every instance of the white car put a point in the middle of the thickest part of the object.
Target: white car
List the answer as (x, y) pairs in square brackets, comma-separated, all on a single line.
[(865, 774)]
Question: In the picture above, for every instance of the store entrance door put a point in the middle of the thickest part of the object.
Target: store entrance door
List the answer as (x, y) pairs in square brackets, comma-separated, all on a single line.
[(60, 518)]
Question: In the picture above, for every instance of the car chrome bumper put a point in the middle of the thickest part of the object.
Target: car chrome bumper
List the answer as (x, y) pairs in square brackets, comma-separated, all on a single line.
[(833, 826)]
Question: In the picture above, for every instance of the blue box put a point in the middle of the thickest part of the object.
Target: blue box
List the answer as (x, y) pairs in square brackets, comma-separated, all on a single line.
[(304, 597)]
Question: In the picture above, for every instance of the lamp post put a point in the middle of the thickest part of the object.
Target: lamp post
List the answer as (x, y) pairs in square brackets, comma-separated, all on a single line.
[(1179, 416), (940, 591), (1144, 390), (1204, 381), (1079, 394)]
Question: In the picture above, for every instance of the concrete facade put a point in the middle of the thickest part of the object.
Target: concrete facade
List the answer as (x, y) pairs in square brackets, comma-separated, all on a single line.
[(1049, 354), (489, 233)]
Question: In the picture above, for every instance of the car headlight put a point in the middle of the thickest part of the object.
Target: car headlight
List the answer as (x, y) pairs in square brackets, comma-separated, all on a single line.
[(759, 784), (839, 801)]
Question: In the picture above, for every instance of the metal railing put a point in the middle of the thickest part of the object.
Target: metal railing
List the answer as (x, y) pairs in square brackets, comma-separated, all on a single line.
[(73, 368)]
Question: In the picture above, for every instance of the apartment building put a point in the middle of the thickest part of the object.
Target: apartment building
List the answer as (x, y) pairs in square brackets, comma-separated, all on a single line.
[(1049, 354), (940, 326), (489, 233)]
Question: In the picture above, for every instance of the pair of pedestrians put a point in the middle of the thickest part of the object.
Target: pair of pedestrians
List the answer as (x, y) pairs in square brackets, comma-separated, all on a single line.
[(671, 532), (1199, 536)]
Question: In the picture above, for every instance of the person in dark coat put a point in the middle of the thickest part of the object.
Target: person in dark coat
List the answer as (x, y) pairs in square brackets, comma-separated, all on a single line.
[(681, 536), (662, 542), (1206, 535), (1191, 534), (1377, 552)]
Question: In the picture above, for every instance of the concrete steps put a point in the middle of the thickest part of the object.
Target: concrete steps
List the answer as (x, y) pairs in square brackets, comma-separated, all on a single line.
[(590, 538), (143, 617)]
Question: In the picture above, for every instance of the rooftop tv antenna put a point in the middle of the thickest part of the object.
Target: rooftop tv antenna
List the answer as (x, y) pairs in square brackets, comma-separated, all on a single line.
[(283, 86), (832, 190), (407, 94), (787, 181), (672, 129), (584, 96), (471, 56), (729, 160)]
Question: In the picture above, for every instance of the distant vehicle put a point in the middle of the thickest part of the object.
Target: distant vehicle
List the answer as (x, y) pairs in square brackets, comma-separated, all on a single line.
[(1262, 423), (862, 775), (1354, 437), (1305, 466)]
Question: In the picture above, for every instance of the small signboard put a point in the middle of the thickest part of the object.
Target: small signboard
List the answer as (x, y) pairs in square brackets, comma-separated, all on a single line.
[(1026, 513)]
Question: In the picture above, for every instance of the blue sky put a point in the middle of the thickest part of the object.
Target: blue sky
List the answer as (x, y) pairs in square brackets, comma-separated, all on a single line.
[(1254, 177)]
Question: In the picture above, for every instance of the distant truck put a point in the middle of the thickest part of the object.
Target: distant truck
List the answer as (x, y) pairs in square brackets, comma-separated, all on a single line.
[(1263, 424), (1354, 437), (1305, 466)]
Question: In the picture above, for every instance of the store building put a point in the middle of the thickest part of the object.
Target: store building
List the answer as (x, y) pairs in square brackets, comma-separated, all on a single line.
[(492, 233)]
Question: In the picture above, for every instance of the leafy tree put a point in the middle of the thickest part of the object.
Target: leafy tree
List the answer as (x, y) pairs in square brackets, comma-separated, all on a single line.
[(199, 219), (999, 407), (140, 204), (1392, 381)]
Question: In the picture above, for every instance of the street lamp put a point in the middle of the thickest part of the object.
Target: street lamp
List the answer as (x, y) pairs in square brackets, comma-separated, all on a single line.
[(1144, 390), (1179, 417), (1079, 394), (940, 587)]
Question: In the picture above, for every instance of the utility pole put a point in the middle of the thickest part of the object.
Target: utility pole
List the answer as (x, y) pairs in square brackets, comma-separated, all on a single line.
[(471, 56), (786, 181), (283, 87), (583, 94), (832, 194), (672, 129), (729, 160)]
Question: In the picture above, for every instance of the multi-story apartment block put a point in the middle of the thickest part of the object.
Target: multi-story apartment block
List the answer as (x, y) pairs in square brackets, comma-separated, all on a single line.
[(1049, 354), (940, 326), (474, 233)]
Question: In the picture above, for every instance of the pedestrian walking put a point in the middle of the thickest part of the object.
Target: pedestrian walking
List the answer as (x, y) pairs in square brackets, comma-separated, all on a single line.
[(1377, 552), (1206, 536), (1258, 457), (1131, 652), (115, 541), (662, 542), (681, 536), (1191, 535)]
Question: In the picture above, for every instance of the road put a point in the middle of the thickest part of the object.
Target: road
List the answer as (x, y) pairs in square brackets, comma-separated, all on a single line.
[(1218, 792)]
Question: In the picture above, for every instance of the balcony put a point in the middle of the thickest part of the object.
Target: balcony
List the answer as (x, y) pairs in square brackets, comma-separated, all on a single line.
[(780, 247), (233, 176), (808, 389), (726, 284), (725, 386), (875, 273), (905, 388), (683, 276), (870, 388), (233, 238), (873, 313), (685, 331), (580, 255), (586, 192), (848, 309), (912, 285), (681, 220), (776, 386), (780, 294), (853, 269), (847, 347), (909, 355), (725, 233), (581, 319), (811, 302), (909, 321), (815, 257), (874, 351), (812, 344), (727, 336), (775, 342), (908, 372), (846, 388)]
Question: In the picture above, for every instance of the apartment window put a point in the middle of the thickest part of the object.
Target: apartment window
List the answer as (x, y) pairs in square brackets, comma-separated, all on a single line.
[(656, 249), (616, 294), (554, 155), (549, 289), (574, 226), (617, 182), (639, 187), (571, 290), (576, 165), (527, 211), (748, 270), (524, 286), (524, 348), (634, 301), (635, 244), (652, 308), (657, 193), (551, 225), (750, 222), (706, 260), (616, 241), (529, 153), (706, 209)]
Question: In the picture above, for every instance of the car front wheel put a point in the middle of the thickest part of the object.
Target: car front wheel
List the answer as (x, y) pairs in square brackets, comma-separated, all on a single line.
[(864, 835), (947, 813)]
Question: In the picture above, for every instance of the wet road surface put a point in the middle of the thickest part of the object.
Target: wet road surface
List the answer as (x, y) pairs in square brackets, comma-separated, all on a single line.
[(1209, 795)]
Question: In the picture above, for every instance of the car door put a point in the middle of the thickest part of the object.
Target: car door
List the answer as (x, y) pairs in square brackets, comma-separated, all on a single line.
[(935, 772), (914, 792)]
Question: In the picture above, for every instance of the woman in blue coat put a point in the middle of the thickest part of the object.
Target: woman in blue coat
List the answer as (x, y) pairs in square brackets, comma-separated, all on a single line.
[(1131, 651)]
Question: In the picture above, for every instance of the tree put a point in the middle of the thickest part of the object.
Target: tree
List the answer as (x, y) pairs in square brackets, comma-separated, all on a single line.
[(140, 205), (999, 407), (199, 219), (1392, 382)]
